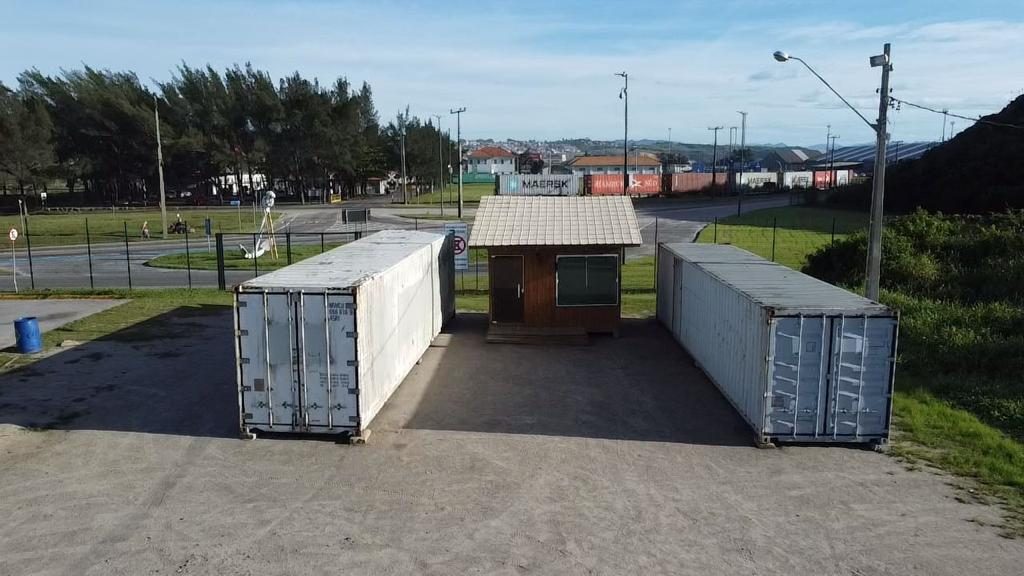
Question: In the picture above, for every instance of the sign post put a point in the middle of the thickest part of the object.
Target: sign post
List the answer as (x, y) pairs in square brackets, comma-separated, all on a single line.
[(13, 235), (460, 243), (208, 226)]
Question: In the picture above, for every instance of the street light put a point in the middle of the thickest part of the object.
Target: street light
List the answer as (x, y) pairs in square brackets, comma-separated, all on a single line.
[(624, 96), (458, 135), (874, 258)]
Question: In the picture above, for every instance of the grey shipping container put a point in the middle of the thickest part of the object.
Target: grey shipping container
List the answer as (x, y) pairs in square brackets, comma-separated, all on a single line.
[(800, 360), (538, 185), (322, 344)]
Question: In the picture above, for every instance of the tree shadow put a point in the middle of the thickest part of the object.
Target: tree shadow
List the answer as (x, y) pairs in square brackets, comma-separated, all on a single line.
[(171, 374), (641, 386)]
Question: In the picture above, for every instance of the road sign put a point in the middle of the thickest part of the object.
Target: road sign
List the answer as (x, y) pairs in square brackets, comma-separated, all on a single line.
[(13, 234), (460, 242)]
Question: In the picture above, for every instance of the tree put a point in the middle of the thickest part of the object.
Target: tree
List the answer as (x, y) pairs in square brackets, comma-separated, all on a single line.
[(26, 138)]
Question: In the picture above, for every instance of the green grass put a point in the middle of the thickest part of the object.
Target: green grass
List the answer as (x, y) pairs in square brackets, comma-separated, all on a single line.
[(958, 442), (128, 321), (471, 193), (799, 231), (105, 226), (234, 260)]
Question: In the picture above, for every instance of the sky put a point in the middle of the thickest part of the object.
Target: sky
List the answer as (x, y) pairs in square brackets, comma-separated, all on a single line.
[(545, 70)]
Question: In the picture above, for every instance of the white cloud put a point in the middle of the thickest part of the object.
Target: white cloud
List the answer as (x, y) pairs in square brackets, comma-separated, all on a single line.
[(519, 78)]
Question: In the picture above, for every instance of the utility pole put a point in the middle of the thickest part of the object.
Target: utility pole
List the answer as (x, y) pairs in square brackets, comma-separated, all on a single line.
[(732, 140), (160, 169), (714, 155), (405, 178), (832, 162), (440, 161), (624, 96), (743, 146), (874, 264), (458, 134), (945, 115)]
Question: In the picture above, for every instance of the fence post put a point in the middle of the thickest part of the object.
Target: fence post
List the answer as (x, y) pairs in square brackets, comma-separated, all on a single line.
[(88, 247), (655, 254), (188, 258), (255, 250), (222, 282), (476, 272), (28, 246), (775, 223), (416, 223), (127, 256), (321, 242), (716, 230), (833, 231), (288, 246)]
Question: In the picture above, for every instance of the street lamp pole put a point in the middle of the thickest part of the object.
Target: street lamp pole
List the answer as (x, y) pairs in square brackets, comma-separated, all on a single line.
[(160, 169), (624, 95), (874, 256), (743, 146), (458, 135), (714, 155)]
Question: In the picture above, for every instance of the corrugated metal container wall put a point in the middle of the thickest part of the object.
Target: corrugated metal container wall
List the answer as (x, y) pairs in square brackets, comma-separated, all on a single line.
[(538, 185), (692, 182), (799, 359), (823, 178), (798, 179), (611, 184), (757, 179), (322, 344)]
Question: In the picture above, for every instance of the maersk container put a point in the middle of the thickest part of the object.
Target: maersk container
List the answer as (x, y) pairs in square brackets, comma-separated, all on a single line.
[(800, 360), (538, 185), (322, 344), (798, 179)]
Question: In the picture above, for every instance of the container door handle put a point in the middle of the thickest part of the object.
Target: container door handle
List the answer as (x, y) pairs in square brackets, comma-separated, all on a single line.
[(519, 291)]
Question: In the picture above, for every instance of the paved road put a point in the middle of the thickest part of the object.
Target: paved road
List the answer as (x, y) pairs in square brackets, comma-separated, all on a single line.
[(671, 220)]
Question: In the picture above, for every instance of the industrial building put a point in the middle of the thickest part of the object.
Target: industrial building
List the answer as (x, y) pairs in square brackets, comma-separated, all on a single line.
[(639, 163), (555, 261)]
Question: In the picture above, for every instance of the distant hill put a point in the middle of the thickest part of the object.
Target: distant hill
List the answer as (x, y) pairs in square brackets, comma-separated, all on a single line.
[(979, 170)]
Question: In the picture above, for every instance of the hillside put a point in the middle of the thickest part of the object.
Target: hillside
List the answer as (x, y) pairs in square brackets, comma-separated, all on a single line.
[(977, 171)]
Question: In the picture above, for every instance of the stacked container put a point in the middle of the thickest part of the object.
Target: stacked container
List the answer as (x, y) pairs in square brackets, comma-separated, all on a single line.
[(322, 344), (538, 185), (800, 360)]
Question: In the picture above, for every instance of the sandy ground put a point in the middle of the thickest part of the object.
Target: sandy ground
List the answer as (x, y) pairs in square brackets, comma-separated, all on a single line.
[(618, 458)]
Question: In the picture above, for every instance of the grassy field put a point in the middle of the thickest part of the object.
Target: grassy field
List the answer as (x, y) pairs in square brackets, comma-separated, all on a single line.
[(105, 226), (471, 193), (798, 231)]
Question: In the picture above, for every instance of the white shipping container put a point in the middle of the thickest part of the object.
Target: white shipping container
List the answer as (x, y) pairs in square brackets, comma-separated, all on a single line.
[(756, 179), (322, 344), (798, 179), (538, 185), (800, 360)]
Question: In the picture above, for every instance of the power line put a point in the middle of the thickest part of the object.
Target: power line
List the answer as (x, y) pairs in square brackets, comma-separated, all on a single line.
[(979, 120)]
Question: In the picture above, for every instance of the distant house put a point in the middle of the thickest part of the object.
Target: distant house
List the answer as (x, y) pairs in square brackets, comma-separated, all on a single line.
[(789, 159), (636, 164), (491, 160)]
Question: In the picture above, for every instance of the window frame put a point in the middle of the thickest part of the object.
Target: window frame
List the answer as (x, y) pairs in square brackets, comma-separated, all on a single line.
[(618, 279)]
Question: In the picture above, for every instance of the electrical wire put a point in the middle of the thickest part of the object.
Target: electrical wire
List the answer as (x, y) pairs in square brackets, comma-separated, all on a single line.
[(947, 113)]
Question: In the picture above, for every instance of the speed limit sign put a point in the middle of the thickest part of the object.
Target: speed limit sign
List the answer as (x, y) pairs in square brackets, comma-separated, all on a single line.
[(13, 234)]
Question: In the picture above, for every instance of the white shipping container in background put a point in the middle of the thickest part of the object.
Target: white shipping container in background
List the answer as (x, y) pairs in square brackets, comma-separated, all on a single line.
[(798, 179), (800, 360), (756, 179), (322, 344), (538, 185)]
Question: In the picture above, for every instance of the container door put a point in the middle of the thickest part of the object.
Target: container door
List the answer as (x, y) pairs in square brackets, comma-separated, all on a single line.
[(327, 367), (797, 368), (860, 383), (270, 396), (677, 299)]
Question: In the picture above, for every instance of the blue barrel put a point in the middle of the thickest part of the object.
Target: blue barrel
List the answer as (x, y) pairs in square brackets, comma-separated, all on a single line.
[(26, 333)]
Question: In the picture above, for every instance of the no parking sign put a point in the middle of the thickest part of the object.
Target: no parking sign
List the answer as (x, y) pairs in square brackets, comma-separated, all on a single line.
[(460, 242)]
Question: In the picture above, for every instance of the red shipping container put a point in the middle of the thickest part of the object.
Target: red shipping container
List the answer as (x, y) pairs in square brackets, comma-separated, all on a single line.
[(611, 184), (693, 181), (822, 179)]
